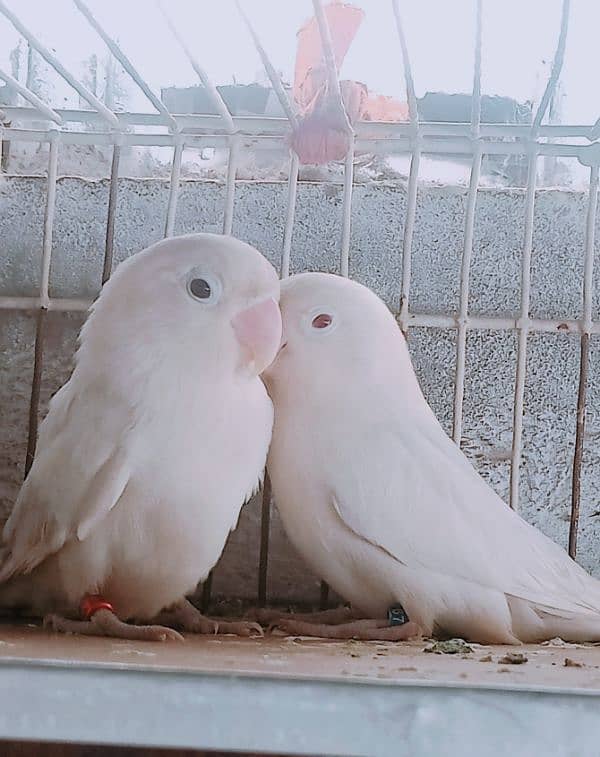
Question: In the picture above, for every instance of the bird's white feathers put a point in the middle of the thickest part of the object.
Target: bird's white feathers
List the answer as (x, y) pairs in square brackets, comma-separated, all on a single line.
[(75, 480), (150, 449), (441, 516), (380, 501)]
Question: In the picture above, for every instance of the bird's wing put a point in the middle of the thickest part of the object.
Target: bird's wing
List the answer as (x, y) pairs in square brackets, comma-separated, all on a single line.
[(415, 496), (79, 473)]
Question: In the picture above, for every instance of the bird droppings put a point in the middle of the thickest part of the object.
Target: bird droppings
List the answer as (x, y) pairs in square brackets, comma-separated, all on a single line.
[(451, 646), (558, 642), (569, 663), (513, 658)]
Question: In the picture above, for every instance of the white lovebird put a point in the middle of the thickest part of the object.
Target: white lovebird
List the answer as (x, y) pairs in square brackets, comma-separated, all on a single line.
[(383, 505), (149, 451)]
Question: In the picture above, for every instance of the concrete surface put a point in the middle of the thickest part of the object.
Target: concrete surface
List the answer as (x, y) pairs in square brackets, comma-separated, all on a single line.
[(540, 666), (378, 217), (300, 696)]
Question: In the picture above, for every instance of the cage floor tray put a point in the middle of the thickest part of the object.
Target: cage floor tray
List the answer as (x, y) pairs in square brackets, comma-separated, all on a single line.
[(298, 695)]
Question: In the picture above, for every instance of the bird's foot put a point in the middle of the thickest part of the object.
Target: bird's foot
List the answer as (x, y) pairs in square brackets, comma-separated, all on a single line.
[(334, 616), (185, 616), (364, 630), (104, 622), (241, 627)]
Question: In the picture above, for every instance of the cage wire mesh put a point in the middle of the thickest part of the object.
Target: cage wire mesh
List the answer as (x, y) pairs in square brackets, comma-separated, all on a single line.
[(101, 127)]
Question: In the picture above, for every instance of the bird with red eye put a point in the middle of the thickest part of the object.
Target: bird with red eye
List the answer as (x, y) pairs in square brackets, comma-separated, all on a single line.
[(322, 321)]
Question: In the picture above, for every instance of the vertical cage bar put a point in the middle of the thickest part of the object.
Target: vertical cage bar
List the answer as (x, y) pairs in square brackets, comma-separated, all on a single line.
[(4, 145), (347, 211), (409, 227), (288, 231), (411, 195), (34, 400), (523, 329), (267, 498), (110, 218), (463, 318), (584, 360), (174, 187), (265, 526), (557, 64), (584, 365), (232, 163), (49, 218), (411, 96), (523, 323)]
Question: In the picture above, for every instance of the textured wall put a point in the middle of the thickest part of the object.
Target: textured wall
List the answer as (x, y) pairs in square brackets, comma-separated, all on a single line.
[(378, 217)]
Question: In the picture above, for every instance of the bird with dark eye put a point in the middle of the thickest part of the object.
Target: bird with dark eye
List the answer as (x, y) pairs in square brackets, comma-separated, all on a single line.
[(200, 289), (322, 321)]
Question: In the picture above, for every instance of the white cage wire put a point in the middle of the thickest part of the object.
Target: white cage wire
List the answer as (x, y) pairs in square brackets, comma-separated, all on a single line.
[(102, 126)]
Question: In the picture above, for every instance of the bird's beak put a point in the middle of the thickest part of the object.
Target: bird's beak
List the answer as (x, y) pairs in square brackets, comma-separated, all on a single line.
[(258, 330)]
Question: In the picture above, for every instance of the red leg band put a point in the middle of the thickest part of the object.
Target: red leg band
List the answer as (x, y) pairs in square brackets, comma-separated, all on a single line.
[(91, 603)]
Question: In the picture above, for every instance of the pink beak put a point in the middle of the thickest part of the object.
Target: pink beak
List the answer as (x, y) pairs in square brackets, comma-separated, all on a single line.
[(258, 330)]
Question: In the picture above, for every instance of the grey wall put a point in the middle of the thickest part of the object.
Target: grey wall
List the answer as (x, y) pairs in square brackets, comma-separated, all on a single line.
[(378, 217)]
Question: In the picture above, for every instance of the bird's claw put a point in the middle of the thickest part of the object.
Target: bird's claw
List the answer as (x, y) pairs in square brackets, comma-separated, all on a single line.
[(242, 628), (160, 633), (279, 625), (204, 626)]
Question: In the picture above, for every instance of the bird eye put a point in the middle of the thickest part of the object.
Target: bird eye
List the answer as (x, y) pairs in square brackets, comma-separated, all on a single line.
[(204, 288), (322, 321), (200, 289)]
